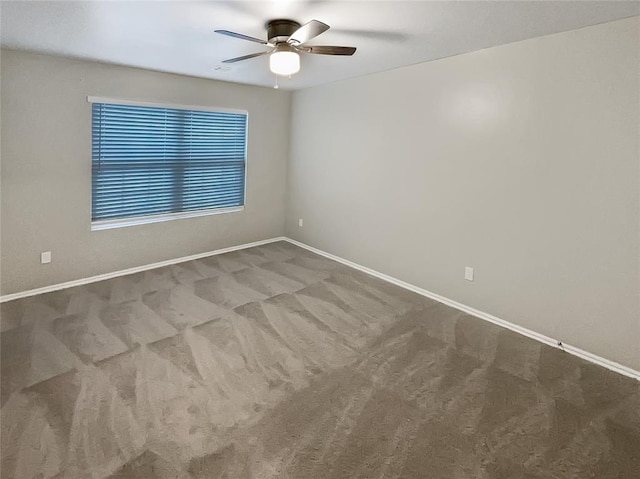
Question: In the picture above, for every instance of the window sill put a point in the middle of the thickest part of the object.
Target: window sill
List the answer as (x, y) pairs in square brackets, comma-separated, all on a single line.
[(143, 220)]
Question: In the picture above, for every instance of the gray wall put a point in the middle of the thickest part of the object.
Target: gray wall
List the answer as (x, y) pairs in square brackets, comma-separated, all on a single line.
[(46, 170), (521, 161)]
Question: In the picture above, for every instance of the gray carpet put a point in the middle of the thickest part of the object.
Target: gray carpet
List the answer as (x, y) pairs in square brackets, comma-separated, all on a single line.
[(275, 362)]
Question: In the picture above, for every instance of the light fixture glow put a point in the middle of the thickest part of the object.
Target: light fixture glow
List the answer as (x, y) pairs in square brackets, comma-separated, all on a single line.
[(284, 62)]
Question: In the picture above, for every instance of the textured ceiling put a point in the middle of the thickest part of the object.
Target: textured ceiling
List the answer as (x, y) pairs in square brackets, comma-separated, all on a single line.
[(179, 37)]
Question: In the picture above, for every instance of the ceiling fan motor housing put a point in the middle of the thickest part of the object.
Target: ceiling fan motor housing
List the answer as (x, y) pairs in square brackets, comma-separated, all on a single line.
[(280, 30)]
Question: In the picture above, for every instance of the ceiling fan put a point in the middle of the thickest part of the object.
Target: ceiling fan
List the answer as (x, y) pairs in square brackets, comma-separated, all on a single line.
[(287, 39)]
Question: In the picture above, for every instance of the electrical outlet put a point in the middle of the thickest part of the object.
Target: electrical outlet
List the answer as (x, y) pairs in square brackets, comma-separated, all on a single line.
[(468, 273), (300, 222), (45, 257)]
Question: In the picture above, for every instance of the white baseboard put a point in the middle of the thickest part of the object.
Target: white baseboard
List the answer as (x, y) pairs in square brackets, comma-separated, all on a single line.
[(606, 363), (612, 365), (137, 269)]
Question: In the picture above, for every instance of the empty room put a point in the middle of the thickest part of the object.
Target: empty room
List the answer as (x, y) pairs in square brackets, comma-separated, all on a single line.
[(320, 239)]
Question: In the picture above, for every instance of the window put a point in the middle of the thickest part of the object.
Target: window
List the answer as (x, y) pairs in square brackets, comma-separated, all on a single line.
[(151, 163)]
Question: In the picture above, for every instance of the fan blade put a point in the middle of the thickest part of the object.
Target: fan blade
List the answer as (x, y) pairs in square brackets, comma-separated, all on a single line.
[(307, 31), (246, 57), (329, 50), (241, 36)]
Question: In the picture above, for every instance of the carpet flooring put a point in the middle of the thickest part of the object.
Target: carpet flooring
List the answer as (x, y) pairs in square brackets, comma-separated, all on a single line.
[(273, 362)]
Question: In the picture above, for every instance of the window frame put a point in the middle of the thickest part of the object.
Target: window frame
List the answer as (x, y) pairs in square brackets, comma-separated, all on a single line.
[(147, 219)]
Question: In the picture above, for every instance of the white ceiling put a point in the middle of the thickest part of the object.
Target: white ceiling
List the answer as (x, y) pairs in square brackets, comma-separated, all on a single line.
[(178, 36)]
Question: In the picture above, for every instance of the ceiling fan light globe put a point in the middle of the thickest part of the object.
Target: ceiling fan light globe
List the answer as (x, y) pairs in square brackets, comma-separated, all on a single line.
[(284, 63)]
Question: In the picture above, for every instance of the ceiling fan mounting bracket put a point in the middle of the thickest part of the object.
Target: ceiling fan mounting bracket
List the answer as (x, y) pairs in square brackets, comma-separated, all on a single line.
[(279, 30)]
